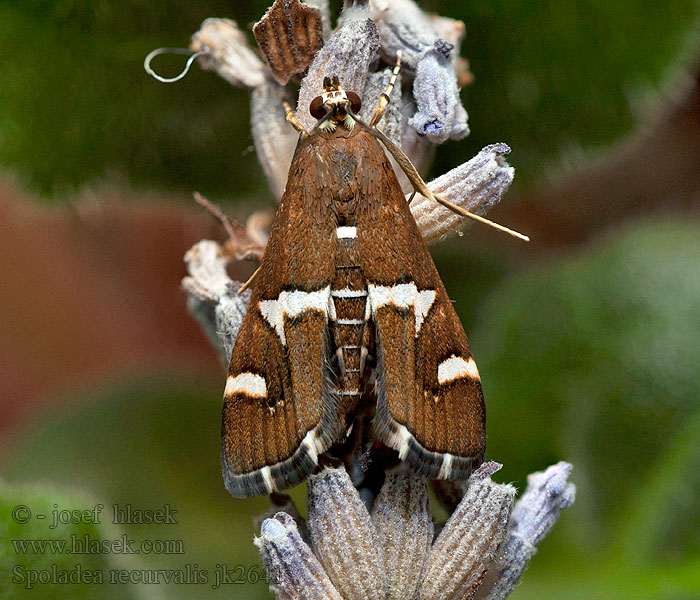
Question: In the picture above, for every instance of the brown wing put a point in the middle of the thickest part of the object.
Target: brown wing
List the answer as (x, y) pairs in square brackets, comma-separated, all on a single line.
[(430, 406), (279, 404)]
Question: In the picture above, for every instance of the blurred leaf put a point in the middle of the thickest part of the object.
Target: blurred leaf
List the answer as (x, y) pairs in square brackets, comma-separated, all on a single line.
[(78, 106), (594, 578), (46, 570), (595, 361), (149, 444), (666, 503)]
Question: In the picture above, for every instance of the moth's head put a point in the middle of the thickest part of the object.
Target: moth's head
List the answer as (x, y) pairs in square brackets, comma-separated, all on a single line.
[(336, 104)]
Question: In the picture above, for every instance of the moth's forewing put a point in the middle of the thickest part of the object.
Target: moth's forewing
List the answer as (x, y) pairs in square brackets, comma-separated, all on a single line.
[(430, 406), (285, 403), (279, 405)]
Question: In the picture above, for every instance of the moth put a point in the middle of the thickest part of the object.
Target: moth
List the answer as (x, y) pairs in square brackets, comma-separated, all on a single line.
[(347, 310)]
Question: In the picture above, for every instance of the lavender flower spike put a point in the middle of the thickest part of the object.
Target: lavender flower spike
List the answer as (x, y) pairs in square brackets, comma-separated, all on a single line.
[(401, 515), (343, 536), (534, 515), (228, 53), (463, 551), (294, 571), (475, 185), (347, 54)]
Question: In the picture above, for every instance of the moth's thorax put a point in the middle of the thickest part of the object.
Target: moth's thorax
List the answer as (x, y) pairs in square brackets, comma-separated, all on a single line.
[(349, 167)]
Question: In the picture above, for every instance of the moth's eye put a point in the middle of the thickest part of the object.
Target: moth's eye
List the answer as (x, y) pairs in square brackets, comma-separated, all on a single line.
[(316, 108), (355, 102), (326, 82)]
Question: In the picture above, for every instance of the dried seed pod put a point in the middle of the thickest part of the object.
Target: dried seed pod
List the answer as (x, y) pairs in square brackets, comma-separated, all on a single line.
[(289, 34), (344, 537), (466, 546), (294, 571), (402, 26), (460, 127), (476, 186), (228, 53), (213, 297), (284, 503), (275, 139), (436, 95), (450, 30), (347, 54), (324, 9), (418, 148), (404, 525)]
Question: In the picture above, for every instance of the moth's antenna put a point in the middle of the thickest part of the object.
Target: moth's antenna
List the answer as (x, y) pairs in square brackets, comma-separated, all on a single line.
[(188, 64), (419, 185), (386, 94), (238, 245)]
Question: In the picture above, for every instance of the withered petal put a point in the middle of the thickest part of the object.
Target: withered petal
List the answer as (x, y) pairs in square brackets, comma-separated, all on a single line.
[(401, 516), (466, 546), (534, 515), (475, 185), (293, 570), (344, 537)]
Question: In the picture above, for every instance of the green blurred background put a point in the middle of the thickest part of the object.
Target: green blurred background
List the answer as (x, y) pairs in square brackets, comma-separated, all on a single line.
[(587, 339)]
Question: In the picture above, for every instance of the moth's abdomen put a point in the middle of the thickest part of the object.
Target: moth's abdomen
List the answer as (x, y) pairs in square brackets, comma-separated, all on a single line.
[(351, 333)]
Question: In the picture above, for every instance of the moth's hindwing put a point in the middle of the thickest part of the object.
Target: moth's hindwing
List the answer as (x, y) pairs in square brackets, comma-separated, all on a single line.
[(280, 405), (430, 406)]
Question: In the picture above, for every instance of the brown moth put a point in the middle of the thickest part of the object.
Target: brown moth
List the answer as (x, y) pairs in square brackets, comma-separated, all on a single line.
[(347, 315)]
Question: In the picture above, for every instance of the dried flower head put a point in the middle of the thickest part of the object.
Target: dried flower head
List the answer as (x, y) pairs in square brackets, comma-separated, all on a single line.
[(390, 552)]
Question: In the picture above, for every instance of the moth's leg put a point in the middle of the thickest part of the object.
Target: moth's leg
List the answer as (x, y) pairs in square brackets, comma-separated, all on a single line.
[(241, 251), (292, 120), (249, 282), (386, 94), (238, 244)]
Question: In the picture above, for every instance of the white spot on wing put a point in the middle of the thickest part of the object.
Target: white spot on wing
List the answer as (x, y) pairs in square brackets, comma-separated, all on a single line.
[(401, 440), (348, 293), (424, 300), (445, 467), (346, 233), (312, 446), (292, 304), (246, 383), (296, 303), (350, 322), (402, 295), (274, 315), (456, 367), (267, 479)]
